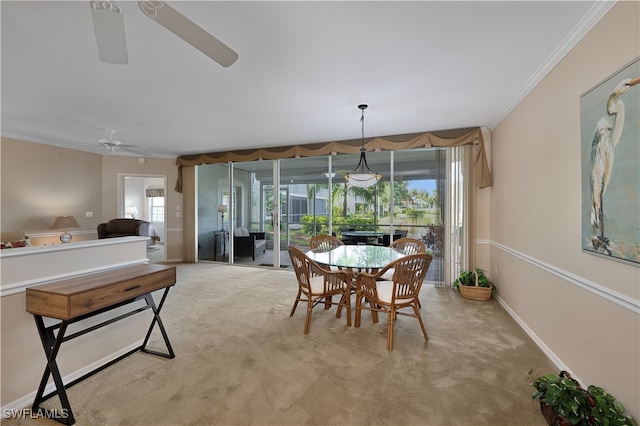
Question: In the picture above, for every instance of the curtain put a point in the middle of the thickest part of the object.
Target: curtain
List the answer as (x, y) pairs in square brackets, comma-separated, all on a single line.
[(154, 192), (449, 138)]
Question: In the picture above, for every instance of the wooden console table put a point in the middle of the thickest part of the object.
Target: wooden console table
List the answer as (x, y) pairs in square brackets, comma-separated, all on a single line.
[(75, 299)]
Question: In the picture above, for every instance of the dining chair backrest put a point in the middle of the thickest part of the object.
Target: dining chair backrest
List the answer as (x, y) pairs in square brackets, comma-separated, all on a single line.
[(316, 283), (392, 295), (301, 266), (409, 273), (409, 246), (325, 242)]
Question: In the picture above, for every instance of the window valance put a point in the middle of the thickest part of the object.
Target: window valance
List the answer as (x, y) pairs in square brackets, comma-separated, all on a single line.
[(442, 139), (155, 192)]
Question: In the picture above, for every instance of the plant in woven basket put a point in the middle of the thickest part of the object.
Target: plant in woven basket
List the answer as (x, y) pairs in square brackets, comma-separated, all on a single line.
[(607, 410), (564, 402), (468, 278)]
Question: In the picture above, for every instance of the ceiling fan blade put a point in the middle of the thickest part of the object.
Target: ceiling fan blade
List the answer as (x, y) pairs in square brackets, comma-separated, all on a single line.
[(189, 31), (108, 24)]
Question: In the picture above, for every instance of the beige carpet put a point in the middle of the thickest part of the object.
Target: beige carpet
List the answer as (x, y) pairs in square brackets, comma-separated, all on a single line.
[(240, 359)]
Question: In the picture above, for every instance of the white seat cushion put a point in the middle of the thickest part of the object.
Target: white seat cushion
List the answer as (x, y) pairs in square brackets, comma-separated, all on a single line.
[(385, 288), (388, 276), (317, 284)]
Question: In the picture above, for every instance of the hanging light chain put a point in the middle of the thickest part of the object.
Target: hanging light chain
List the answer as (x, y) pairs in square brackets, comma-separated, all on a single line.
[(362, 108)]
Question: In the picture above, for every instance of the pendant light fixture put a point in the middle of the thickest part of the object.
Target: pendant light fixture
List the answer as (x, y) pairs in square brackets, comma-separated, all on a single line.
[(360, 177)]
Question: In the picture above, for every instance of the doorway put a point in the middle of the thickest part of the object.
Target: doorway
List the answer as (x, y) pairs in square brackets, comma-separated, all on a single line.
[(144, 197)]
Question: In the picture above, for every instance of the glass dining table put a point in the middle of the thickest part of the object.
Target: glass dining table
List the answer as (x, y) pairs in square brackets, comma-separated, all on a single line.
[(356, 258)]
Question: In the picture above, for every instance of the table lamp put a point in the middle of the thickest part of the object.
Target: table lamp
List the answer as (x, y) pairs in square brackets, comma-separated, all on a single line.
[(65, 222), (132, 210), (222, 208)]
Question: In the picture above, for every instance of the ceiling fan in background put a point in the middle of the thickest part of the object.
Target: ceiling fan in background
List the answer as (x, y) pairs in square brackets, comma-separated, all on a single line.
[(110, 144), (108, 24), (326, 173)]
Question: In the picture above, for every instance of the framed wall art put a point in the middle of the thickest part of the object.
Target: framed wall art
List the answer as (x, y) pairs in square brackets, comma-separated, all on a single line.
[(610, 159)]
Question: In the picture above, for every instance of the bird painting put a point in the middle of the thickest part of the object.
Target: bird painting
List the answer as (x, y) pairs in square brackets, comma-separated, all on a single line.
[(603, 149)]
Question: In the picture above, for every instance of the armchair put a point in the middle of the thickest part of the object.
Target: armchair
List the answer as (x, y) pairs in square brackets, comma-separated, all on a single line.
[(124, 227), (389, 297), (247, 243), (325, 242), (316, 284)]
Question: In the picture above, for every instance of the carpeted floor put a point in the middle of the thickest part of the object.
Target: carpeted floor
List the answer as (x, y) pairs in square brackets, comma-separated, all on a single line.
[(240, 359)]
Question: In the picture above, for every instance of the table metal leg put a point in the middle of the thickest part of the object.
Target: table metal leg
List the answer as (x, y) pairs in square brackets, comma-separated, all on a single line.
[(51, 345), (52, 342), (156, 318)]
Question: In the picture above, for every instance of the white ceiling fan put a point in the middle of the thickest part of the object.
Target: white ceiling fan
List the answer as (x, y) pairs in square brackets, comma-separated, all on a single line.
[(108, 24), (326, 173), (110, 144)]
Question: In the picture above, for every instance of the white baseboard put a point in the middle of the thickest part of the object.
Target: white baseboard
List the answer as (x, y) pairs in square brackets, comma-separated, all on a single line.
[(27, 400), (537, 340)]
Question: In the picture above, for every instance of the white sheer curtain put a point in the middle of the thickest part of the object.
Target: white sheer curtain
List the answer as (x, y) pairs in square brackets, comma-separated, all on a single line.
[(457, 225)]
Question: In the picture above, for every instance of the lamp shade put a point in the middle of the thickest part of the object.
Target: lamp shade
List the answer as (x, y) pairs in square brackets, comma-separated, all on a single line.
[(65, 222), (359, 176), (362, 180), (222, 208)]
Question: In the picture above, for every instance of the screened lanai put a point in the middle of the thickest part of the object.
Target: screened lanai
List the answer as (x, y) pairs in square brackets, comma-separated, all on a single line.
[(420, 195)]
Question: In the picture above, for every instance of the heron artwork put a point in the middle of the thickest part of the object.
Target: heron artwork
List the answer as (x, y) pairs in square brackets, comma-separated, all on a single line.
[(603, 149)]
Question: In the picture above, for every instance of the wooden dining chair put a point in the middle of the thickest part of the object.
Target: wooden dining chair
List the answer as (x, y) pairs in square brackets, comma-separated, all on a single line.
[(409, 245), (389, 297), (316, 284), (406, 246), (325, 242)]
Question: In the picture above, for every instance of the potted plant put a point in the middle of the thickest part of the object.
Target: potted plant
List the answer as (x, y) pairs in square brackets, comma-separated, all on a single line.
[(564, 402), (474, 285)]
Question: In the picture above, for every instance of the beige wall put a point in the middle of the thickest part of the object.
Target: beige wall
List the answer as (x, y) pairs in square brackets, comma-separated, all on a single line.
[(40, 182), (583, 308)]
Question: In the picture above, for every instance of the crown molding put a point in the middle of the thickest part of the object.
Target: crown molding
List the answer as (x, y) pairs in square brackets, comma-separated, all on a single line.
[(599, 9)]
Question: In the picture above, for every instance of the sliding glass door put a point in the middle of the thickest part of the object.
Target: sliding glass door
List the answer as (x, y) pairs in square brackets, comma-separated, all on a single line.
[(292, 200)]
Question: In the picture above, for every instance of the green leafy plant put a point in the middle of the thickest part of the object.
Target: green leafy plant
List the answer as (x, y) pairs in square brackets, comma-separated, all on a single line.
[(433, 238), (468, 278), (577, 406), (607, 410)]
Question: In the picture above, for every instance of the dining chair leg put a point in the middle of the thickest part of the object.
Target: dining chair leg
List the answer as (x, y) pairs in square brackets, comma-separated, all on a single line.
[(374, 312), (347, 299), (339, 310), (417, 311), (327, 302), (390, 322), (307, 321), (295, 304), (358, 310)]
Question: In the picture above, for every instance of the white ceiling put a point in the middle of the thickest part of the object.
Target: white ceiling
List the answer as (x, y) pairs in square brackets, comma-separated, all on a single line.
[(303, 68)]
